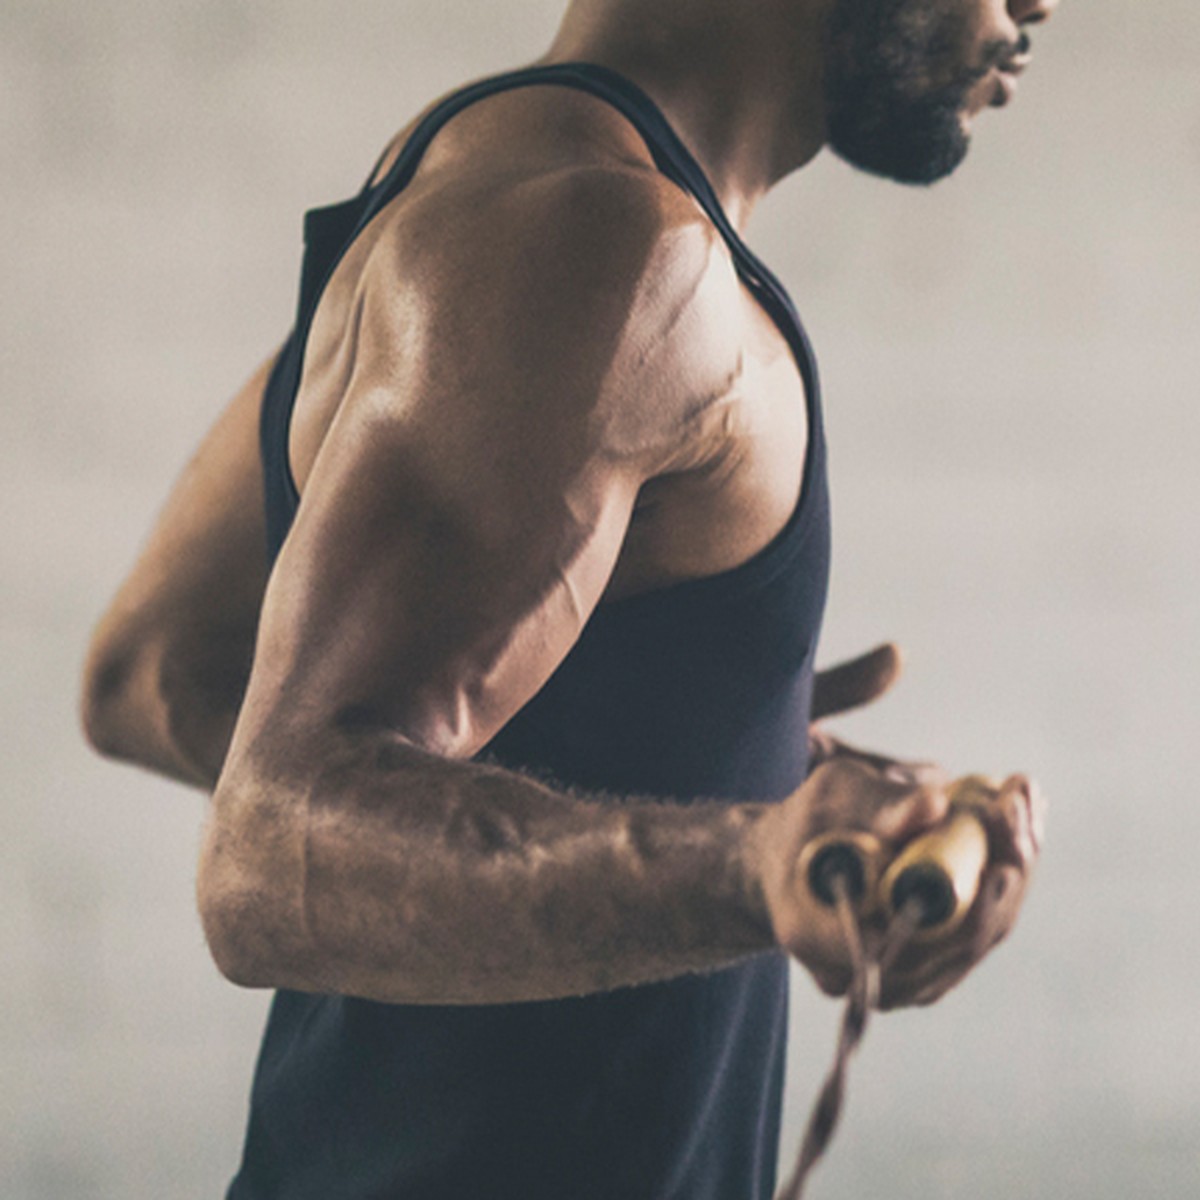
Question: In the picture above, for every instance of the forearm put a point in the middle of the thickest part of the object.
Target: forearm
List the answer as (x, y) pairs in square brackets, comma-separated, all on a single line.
[(185, 747), (405, 878), (170, 714), (169, 660)]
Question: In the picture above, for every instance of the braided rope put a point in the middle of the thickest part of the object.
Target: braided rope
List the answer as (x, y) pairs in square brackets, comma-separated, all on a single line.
[(862, 997)]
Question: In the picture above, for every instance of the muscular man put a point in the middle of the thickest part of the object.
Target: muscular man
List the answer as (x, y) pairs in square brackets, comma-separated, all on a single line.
[(507, 729)]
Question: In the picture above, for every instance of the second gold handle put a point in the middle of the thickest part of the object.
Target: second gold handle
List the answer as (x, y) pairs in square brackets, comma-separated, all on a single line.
[(940, 873)]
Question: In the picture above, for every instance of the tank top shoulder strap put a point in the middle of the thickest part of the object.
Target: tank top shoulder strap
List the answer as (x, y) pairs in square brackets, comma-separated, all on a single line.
[(329, 231), (670, 154)]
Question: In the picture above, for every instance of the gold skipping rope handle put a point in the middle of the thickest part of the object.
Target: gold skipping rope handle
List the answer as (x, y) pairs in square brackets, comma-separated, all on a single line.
[(935, 877), (848, 861), (924, 893)]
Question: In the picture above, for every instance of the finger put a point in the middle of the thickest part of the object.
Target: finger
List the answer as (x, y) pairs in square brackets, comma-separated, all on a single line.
[(919, 809), (824, 746), (1001, 892), (919, 774), (906, 991), (852, 684), (1015, 822), (932, 993), (926, 971), (833, 981), (848, 793)]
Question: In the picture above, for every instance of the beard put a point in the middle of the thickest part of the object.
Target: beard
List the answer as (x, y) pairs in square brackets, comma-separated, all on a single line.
[(896, 84)]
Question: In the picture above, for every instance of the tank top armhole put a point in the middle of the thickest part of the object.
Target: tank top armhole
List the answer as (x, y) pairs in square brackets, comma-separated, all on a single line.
[(329, 231)]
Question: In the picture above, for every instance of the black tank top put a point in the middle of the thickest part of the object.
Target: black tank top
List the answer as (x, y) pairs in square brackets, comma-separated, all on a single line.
[(668, 1091)]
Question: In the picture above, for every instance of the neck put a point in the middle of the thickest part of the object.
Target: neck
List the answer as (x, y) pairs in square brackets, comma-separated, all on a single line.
[(740, 80)]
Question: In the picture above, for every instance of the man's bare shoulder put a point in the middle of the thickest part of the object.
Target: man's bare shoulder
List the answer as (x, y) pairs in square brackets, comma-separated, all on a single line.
[(595, 283)]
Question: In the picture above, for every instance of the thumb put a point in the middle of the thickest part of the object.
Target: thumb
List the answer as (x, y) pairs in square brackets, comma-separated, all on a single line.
[(852, 684)]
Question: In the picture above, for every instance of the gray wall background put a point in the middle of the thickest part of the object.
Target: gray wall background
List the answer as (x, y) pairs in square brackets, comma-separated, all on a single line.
[(1011, 370)]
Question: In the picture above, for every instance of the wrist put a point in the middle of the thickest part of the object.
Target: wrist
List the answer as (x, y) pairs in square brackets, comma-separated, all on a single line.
[(757, 866)]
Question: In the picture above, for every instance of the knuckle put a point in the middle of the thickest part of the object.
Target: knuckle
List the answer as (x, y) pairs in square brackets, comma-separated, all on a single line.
[(821, 746), (833, 984), (930, 801), (930, 996), (824, 774)]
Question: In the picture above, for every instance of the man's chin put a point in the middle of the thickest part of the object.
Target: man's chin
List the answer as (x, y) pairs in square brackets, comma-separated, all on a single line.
[(906, 156)]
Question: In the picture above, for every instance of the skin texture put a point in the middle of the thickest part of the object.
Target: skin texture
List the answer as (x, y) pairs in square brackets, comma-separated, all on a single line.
[(533, 385)]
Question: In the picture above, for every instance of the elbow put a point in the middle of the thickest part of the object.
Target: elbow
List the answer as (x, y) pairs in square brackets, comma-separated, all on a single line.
[(223, 943), (107, 676), (233, 929), (228, 946), (242, 910), (143, 700)]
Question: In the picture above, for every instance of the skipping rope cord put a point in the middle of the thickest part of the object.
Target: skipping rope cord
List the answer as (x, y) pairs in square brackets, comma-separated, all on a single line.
[(862, 997)]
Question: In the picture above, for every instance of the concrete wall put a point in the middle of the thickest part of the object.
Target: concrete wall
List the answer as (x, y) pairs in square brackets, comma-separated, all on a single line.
[(1011, 368)]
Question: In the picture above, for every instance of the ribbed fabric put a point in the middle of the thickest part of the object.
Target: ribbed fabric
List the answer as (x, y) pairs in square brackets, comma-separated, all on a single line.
[(665, 1092)]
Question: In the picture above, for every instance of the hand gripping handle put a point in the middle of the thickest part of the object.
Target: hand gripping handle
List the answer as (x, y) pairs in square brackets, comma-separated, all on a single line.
[(938, 872)]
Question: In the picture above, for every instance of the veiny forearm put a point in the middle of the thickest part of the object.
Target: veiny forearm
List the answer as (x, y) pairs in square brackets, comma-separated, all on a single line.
[(400, 877)]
